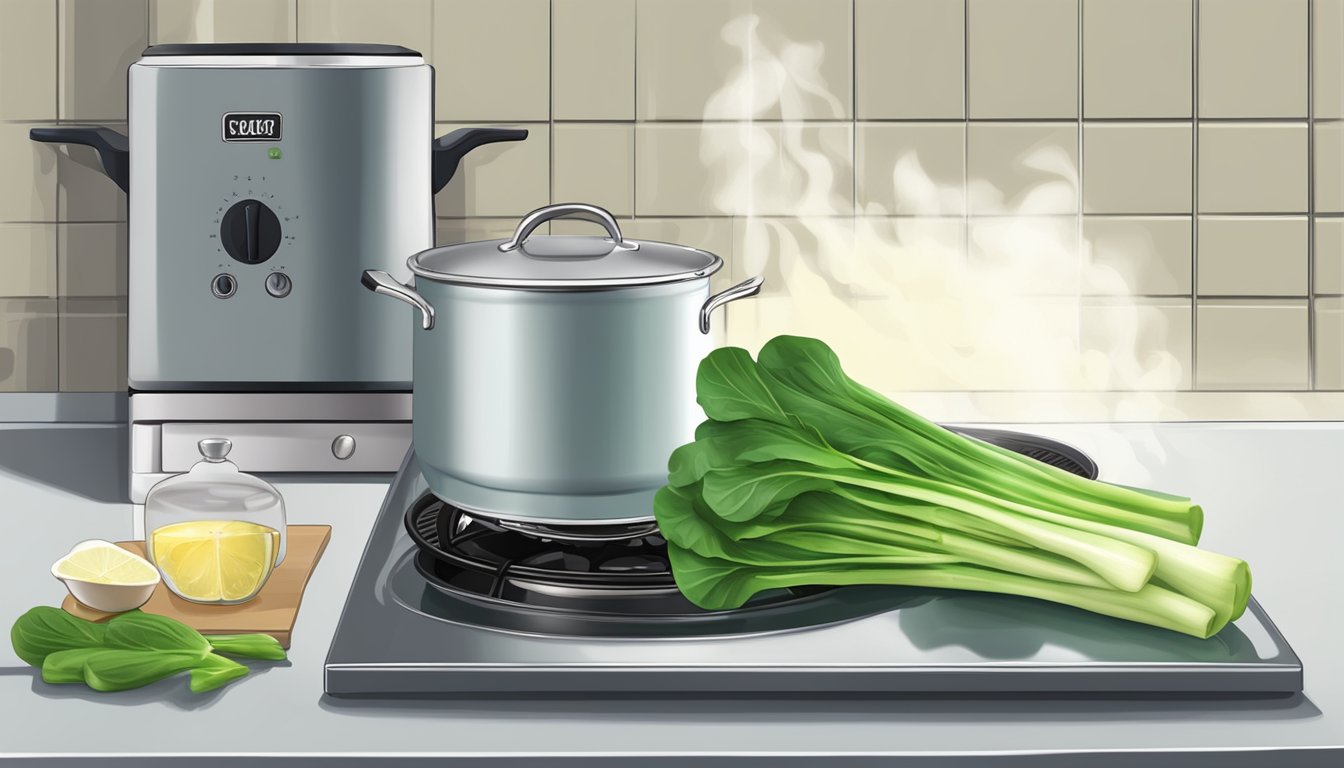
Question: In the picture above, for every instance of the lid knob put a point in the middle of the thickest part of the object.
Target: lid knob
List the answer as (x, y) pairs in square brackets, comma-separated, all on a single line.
[(214, 449)]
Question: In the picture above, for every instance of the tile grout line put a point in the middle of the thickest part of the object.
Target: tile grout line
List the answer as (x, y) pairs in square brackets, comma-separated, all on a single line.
[(1194, 195), (966, 131), (1078, 216), (1311, 194)]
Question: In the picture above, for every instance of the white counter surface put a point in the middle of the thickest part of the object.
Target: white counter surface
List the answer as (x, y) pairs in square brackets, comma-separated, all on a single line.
[(1272, 493)]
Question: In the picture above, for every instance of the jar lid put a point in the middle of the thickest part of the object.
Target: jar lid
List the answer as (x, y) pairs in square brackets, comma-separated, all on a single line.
[(564, 262)]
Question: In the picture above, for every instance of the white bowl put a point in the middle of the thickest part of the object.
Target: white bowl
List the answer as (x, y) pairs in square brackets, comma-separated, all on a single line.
[(109, 598)]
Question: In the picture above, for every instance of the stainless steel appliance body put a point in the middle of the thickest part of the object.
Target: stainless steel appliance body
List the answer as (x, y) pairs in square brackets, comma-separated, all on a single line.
[(555, 375), (262, 180), (342, 182)]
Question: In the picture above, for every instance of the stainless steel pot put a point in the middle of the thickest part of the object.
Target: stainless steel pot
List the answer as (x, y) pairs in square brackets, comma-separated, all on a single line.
[(554, 375)]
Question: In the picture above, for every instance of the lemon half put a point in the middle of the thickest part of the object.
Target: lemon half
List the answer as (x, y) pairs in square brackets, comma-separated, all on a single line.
[(102, 562), (215, 561)]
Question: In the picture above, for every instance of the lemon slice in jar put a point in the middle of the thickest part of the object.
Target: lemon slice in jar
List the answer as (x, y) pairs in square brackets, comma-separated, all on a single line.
[(215, 561)]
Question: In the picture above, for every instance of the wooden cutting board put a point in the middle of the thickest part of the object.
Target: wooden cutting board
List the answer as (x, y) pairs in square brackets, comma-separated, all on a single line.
[(272, 611)]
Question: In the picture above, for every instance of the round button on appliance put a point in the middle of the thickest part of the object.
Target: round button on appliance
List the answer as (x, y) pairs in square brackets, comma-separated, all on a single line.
[(278, 284), (250, 231), (223, 285), (343, 447)]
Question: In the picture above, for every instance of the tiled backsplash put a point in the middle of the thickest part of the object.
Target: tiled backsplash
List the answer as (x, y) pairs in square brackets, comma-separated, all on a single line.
[(1207, 139)]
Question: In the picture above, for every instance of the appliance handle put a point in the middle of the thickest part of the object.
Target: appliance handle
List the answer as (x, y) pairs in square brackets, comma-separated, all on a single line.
[(114, 149), (449, 149), (379, 281), (742, 290), (583, 211)]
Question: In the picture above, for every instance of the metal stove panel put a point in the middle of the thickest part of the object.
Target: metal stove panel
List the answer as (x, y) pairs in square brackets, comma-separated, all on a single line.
[(398, 636)]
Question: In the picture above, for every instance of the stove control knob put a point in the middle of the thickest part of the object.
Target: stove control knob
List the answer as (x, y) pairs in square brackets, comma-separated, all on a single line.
[(223, 285), (250, 231), (343, 447), (278, 284)]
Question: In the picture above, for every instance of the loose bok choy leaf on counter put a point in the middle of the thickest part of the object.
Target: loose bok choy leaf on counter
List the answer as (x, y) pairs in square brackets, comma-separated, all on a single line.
[(131, 650), (801, 476)]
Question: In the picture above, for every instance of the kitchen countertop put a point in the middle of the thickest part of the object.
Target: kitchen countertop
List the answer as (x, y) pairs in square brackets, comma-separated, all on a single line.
[(1272, 494)]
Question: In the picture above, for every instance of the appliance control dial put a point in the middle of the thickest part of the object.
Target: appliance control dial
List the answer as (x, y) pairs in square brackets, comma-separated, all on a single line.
[(223, 285), (250, 231), (343, 447), (278, 284)]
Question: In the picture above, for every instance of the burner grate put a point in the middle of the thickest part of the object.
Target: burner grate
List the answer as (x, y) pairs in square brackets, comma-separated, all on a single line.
[(616, 570)]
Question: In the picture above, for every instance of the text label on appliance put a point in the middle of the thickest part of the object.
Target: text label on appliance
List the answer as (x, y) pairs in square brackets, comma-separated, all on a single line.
[(251, 126)]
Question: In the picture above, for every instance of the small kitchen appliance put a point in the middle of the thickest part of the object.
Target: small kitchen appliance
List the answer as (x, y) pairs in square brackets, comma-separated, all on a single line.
[(262, 180), (448, 602)]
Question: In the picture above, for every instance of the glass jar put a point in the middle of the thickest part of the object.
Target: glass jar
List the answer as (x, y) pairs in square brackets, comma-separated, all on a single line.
[(215, 533)]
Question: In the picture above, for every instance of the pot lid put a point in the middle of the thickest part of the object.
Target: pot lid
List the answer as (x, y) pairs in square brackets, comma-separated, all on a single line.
[(564, 262)]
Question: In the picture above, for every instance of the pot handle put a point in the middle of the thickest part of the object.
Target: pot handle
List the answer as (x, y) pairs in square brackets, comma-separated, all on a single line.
[(379, 281), (568, 210), (742, 290)]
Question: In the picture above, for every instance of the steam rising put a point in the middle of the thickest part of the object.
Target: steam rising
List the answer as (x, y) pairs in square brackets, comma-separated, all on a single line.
[(1011, 299)]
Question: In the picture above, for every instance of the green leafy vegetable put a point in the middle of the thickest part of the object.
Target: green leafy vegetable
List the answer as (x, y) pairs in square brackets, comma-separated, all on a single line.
[(802, 476), (131, 650)]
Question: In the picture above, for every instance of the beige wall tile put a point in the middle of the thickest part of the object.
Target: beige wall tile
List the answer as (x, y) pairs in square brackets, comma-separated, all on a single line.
[(1023, 58), (93, 260), (505, 179), (84, 192), (1328, 50), (695, 170), (1329, 272), (1330, 343), (593, 61), (1252, 344), (1329, 155), (1253, 58), (1253, 168), (27, 176), (1138, 256), (1137, 168), (223, 21), (28, 345), (1031, 255), (687, 50), (1144, 344), (911, 168), (27, 260), (1027, 168), (98, 41), (1137, 58), (492, 60), (909, 59), (594, 163), (453, 231), (806, 259), (1252, 256), (27, 60), (93, 345), (395, 22)]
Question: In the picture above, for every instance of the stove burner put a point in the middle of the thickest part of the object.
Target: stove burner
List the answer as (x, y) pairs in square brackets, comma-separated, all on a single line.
[(496, 561), (587, 573)]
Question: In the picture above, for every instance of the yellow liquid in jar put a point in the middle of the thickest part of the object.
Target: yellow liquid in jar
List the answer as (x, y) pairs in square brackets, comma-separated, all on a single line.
[(215, 561)]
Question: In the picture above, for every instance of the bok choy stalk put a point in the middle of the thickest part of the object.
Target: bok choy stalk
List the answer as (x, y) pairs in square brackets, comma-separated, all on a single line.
[(802, 476)]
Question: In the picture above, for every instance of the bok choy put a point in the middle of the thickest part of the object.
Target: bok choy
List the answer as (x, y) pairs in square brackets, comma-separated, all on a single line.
[(801, 476)]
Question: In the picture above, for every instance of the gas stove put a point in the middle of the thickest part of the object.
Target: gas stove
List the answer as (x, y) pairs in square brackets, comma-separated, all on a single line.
[(449, 603)]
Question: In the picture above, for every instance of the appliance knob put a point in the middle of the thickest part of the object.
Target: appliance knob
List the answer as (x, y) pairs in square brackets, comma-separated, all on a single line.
[(250, 231), (223, 285), (343, 447), (278, 284)]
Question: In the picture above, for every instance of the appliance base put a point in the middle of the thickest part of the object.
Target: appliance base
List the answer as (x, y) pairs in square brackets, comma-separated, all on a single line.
[(270, 431)]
